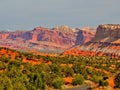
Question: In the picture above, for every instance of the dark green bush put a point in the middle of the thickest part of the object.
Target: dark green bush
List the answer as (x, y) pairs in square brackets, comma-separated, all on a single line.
[(78, 80)]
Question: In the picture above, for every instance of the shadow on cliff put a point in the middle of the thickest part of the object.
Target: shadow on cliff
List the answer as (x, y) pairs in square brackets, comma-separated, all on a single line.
[(79, 38)]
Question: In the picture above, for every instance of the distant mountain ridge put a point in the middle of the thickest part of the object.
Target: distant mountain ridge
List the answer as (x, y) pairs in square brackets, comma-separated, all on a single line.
[(44, 39), (106, 42)]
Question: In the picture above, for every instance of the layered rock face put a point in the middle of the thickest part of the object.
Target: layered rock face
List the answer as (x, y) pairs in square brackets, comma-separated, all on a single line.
[(43, 39), (106, 40), (107, 33), (84, 35)]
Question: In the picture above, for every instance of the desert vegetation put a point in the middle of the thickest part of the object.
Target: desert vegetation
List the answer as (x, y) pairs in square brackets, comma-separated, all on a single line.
[(28, 71)]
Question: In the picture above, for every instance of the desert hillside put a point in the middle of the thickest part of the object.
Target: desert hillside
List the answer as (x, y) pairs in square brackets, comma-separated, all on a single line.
[(30, 71)]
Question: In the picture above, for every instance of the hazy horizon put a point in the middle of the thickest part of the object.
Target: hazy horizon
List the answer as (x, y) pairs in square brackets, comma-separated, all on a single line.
[(27, 14)]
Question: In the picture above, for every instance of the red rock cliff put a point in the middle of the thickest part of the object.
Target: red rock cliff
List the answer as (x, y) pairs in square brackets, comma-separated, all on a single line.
[(40, 38), (106, 40)]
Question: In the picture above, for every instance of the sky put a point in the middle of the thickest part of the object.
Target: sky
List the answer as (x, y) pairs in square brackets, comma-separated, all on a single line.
[(27, 14)]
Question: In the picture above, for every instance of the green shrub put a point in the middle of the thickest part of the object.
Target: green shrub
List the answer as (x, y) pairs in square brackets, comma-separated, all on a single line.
[(5, 83), (117, 81), (2, 65), (57, 83), (96, 78), (103, 83), (78, 80)]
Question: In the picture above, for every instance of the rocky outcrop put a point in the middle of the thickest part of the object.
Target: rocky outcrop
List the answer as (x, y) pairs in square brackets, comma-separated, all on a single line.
[(64, 28), (4, 35), (84, 35), (55, 36), (106, 40), (107, 33), (45, 39)]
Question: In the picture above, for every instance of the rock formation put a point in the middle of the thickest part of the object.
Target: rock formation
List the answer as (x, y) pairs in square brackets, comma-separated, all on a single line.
[(106, 40), (57, 39)]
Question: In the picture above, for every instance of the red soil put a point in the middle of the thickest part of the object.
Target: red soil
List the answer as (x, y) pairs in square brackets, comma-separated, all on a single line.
[(68, 80), (111, 82), (32, 61), (77, 52), (70, 65)]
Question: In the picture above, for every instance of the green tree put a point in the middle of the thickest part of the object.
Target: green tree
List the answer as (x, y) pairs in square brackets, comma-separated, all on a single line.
[(83, 72), (57, 83), (19, 86), (5, 83), (13, 64), (117, 81), (76, 68), (55, 68), (103, 83), (49, 78), (37, 80), (13, 73), (20, 82), (97, 79), (78, 80), (4, 59), (2, 65), (67, 71)]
